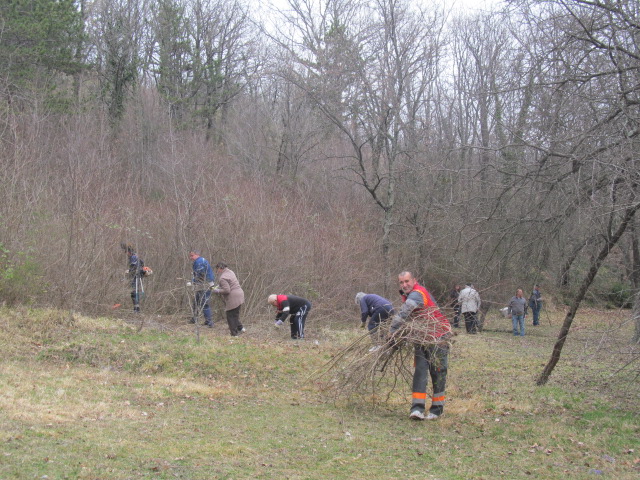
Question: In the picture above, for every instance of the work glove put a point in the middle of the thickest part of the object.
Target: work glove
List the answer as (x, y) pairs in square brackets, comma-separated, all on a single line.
[(211, 285), (278, 323), (396, 323), (188, 284)]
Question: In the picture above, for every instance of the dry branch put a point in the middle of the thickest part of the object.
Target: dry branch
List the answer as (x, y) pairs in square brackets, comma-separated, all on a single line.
[(375, 372)]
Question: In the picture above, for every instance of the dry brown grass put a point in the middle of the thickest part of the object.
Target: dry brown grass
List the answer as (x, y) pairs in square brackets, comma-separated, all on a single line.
[(157, 404)]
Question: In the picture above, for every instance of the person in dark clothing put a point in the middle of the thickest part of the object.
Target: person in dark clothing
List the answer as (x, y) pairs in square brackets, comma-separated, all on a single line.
[(535, 304), (454, 302), (297, 307), (375, 307), (203, 281), (135, 273)]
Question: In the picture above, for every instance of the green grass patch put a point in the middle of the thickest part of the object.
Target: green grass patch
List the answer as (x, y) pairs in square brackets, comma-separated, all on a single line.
[(94, 398)]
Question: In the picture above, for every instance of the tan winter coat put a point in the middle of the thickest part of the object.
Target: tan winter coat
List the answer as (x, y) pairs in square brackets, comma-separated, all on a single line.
[(229, 289)]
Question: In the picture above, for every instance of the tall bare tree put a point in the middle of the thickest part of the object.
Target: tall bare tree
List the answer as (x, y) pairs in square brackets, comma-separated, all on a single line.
[(365, 67), (585, 161)]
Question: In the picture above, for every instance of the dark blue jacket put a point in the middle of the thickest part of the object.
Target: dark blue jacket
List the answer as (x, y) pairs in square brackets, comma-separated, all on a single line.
[(371, 302), (135, 268), (202, 271), (534, 300)]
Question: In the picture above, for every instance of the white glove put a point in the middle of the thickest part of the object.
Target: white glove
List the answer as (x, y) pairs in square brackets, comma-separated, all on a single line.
[(188, 284), (278, 323), (211, 285)]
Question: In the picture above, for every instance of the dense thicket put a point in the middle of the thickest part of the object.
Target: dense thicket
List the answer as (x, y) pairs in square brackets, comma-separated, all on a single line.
[(318, 149)]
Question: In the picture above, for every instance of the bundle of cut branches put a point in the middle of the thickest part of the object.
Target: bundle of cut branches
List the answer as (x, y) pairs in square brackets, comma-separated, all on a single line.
[(375, 365), (425, 331)]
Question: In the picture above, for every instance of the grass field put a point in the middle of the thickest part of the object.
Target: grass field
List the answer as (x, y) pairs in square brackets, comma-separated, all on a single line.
[(100, 398)]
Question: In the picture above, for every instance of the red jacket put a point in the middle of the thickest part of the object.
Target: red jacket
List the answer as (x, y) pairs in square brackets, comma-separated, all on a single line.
[(289, 304), (429, 309)]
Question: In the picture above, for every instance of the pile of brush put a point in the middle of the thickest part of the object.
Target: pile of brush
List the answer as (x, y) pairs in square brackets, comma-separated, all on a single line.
[(376, 364)]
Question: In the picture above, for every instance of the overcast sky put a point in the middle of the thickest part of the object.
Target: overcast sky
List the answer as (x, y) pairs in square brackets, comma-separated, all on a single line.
[(468, 5), (263, 8), (471, 4)]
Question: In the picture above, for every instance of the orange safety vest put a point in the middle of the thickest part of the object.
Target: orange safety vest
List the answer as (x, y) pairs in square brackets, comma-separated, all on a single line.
[(430, 309)]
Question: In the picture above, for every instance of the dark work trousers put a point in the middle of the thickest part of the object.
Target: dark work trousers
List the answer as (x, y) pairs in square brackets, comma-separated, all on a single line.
[(136, 293), (471, 322), (298, 319), (536, 314), (456, 315), (233, 319), (201, 304), (431, 360), (378, 315)]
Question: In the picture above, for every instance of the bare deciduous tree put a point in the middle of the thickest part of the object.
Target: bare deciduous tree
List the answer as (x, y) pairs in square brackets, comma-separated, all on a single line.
[(366, 67)]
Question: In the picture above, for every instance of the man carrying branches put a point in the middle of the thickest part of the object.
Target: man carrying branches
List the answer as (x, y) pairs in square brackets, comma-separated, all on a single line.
[(421, 322)]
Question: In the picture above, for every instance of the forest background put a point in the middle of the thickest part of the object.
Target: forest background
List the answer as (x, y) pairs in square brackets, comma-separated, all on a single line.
[(319, 149)]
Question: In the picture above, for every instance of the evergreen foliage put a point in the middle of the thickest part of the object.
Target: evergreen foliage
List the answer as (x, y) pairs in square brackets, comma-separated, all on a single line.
[(38, 42)]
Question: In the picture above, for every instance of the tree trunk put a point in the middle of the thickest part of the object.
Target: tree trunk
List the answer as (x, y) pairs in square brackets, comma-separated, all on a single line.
[(386, 240), (635, 255), (595, 266), (636, 317), (566, 266)]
